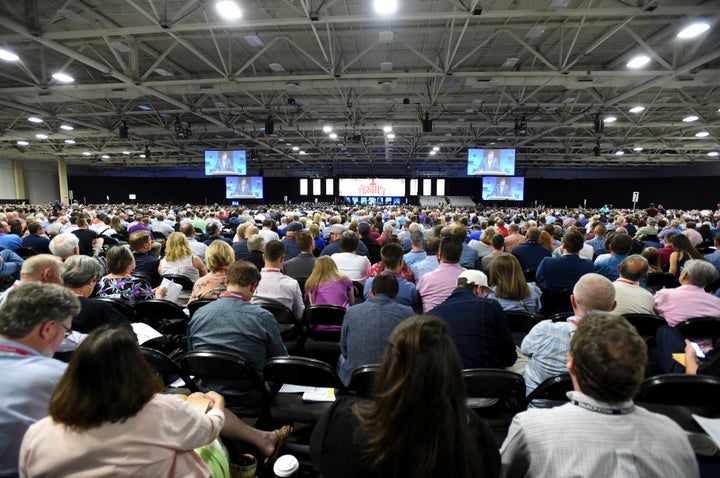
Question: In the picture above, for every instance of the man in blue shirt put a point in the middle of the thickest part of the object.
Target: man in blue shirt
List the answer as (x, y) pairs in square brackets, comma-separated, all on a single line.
[(530, 253), (561, 272), (367, 326), (232, 324), (620, 248), (478, 325), (33, 322), (714, 258)]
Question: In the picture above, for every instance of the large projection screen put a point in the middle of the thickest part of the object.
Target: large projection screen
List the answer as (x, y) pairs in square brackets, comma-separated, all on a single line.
[(371, 187)]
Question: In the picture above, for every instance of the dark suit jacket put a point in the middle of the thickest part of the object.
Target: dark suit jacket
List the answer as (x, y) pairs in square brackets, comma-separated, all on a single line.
[(373, 248), (530, 254), (562, 272), (300, 267)]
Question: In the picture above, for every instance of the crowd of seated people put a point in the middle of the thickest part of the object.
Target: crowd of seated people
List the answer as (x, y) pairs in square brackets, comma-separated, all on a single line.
[(601, 259)]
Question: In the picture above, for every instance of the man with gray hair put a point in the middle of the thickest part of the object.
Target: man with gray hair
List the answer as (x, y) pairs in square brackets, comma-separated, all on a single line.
[(547, 344), (417, 252), (33, 322), (606, 361), (690, 299), (630, 296), (65, 245), (40, 268)]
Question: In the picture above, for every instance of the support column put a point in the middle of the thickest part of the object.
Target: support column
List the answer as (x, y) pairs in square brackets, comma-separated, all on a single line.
[(19, 178), (63, 182)]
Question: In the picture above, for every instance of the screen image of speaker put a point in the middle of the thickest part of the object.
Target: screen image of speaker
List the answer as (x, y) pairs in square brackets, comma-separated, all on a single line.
[(495, 162), (247, 187), (225, 163)]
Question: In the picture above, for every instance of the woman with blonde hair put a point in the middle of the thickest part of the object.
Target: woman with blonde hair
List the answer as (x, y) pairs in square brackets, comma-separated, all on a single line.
[(317, 237), (326, 285), (653, 257), (510, 288), (219, 257), (179, 259)]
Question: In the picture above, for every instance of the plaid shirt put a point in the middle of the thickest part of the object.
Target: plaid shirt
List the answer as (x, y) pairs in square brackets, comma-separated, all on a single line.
[(547, 346)]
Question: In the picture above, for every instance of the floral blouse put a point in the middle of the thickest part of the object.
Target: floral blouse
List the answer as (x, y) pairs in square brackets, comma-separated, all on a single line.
[(128, 288), (405, 272), (210, 286)]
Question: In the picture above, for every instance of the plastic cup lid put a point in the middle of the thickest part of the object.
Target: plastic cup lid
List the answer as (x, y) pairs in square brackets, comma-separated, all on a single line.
[(286, 465)]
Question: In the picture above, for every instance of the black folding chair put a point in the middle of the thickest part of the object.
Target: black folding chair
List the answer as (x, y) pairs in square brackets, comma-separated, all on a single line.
[(646, 324), (168, 370), (495, 394), (290, 328), (362, 381), (163, 315), (229, 374), (196, 304), (303, 371), (700, 328), (521, 323), (553, 391)]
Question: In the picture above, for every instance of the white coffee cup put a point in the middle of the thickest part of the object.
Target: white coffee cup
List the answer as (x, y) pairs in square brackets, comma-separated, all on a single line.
[(286, 466)]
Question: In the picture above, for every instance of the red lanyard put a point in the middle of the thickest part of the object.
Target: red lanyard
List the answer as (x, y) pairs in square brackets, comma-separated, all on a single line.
[(624, 281), (270, 269), (14, 350), (235, 296)]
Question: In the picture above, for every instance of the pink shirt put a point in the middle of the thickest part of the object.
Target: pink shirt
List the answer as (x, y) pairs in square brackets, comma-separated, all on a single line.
[(436, 286), (158, 441), (685, 302)]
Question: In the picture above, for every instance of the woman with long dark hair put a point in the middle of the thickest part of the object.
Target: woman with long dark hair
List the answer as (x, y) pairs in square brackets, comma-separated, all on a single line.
[(417, 425), (683, 251)]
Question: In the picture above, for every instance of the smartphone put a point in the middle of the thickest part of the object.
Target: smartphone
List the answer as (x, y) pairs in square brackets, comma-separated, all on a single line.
[(697, 349)]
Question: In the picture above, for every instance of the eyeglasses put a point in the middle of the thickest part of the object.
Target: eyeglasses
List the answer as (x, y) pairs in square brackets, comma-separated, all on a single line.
[(68, 330)]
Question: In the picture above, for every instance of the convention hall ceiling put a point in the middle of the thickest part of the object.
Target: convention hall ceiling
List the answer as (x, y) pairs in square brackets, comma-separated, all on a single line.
[(534, 75)]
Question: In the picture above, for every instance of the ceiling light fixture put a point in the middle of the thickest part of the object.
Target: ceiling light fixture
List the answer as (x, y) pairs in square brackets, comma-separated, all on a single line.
[(254, 40), (126, 153), (387, 129), (66, 127), (619, 153), (276, 67), (105, 156), (693, 30), (436, 148), (7, 55), (86, 153), (35, 119), (433, 153), (638, 61), (295, 148), (702, 134), (41, 136), (690, 119), (385, 7), (332, 136), (63, 77), (391, 136), (637, 149), (637, 109), (22, 142), (70, 141), (228, 9), (327, 128), (712, 154), (610, 119)]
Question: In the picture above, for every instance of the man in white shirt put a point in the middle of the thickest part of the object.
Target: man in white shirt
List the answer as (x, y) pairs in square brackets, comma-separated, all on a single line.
[(601, 432), (267, 233), (630, 296), (356, 267), (197, 248)]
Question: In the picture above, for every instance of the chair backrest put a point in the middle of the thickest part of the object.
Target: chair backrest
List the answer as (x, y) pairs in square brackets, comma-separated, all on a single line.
[(159, 309), (560, 316), (301, 371), (287, 322), (681, 389), (713, 286), (561, 300), (322, 322), (167, 369), (646, 324), (123, 306), (659, 280), (362, 382), (26, 252), (196, 304), (700, 328), (520, 321), (493, 383), (164, 315), (230, 375), (529, 274), (183, 281), (143, 276), (553, 389)]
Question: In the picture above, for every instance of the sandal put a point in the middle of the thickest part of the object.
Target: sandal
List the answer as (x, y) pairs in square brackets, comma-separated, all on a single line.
[(283, 434)]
